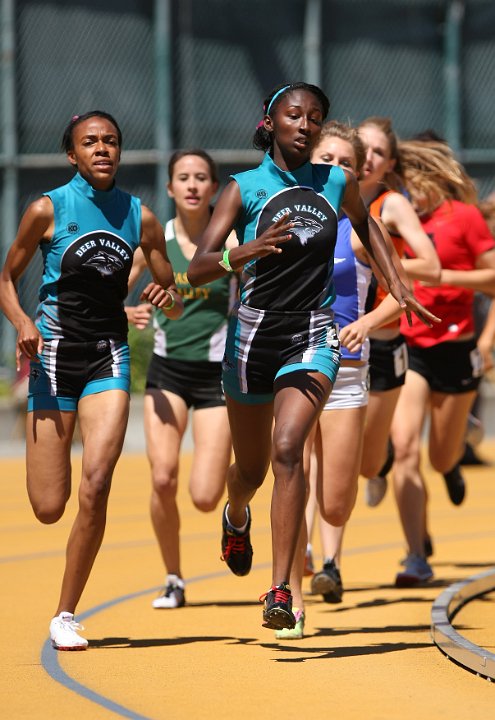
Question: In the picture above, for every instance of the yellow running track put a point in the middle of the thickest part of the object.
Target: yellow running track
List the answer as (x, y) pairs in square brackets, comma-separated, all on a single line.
[(369, 658)]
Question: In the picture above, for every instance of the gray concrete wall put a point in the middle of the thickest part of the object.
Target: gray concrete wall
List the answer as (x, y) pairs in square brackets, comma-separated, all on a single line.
[(12, 429), (12, 424)]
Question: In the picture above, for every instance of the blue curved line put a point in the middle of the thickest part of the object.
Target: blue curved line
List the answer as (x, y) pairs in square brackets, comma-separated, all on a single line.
[(49, 656), (50, 662)]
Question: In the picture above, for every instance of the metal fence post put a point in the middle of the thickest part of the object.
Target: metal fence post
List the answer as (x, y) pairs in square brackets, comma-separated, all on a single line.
[(452, 69), (163, 102), (9, 200), (312, 42)]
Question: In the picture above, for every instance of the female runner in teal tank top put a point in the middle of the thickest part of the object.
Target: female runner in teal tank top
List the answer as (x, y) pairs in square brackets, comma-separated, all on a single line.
[(87, 231), (281, 352), (185, 371)]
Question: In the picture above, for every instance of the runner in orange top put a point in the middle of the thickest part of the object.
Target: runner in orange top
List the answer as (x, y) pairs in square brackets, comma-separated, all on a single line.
[(381, 188)]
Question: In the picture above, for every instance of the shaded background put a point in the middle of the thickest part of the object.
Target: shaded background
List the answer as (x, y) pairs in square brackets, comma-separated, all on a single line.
[(184, 73)]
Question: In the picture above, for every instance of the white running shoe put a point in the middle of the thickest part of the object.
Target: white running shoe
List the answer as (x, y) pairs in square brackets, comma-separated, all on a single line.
[(416, 572), (375, 490), (172, 596), (63, 633)]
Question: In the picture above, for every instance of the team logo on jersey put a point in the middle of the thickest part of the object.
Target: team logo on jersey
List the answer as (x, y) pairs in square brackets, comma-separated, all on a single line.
[(72, 228), (105, 263), (100, 251), (313, 218), (261, 194), (101, 345), (305, 228), (34, 373)]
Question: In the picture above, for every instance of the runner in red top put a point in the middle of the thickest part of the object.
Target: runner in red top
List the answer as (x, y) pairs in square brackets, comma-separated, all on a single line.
[(445, 364), (460, 235)]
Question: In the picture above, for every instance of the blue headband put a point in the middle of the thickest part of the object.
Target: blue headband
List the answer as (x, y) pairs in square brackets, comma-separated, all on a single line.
[(279, 92)]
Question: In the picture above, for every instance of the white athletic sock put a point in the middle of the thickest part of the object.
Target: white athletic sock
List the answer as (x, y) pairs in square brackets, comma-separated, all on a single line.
[(174, 580), (237, 529)]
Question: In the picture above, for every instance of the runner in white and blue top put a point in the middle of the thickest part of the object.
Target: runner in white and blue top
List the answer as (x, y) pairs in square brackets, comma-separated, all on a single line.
[(338, 435), (352, 278)]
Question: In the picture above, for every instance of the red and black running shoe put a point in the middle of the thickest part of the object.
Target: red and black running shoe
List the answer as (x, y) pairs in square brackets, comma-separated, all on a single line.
[(277, 612), (237, 550)]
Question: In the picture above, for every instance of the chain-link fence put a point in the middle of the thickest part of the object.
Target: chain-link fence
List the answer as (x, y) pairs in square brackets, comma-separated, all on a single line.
[(182, 73)]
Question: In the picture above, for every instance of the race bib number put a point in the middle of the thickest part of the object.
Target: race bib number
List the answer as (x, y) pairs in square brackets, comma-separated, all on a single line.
[(476, 362), (401, 360)]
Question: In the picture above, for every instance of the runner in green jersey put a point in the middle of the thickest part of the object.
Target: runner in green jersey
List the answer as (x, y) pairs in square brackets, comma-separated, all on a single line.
[(185, 371)]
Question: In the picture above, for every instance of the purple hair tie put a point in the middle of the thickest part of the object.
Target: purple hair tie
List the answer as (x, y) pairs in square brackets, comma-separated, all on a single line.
[(260, 124), (74, 118)]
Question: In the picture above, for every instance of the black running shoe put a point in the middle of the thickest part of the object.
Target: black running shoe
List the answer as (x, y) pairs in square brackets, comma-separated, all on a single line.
[(456, 487), (277, 612), (387, 467), (470, 457), (237, 550), (328, 583)]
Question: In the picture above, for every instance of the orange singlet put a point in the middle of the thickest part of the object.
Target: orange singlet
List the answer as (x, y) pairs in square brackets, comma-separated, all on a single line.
[(375, 210)]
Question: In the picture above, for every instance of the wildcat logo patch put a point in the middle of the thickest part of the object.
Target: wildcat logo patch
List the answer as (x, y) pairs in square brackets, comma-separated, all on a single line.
[(105, 263), (305, 228)]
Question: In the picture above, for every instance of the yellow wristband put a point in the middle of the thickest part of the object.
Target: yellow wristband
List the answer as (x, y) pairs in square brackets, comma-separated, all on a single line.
[(172, 304)]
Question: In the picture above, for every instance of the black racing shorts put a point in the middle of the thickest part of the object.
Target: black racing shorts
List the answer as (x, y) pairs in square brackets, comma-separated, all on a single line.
[(449, 367), (68, 371), (264, 345), (198, 383), (388, 363)]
